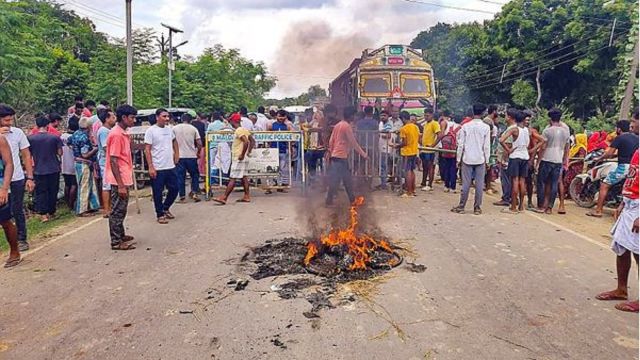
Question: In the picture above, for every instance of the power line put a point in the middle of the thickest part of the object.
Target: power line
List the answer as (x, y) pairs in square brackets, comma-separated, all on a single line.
[(450, 6), (489, 71), (544, 62), (493, 2), (480, 86)]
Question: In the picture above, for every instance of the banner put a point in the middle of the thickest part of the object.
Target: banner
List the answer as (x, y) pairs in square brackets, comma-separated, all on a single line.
[(259, 136)]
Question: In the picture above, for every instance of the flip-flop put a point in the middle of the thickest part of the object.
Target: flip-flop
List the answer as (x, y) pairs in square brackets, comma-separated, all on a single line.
[(509, 211), (243, 200), (11, 263), (123, 246), (537, 211), (220, 202), (127, 238), (628, 306), (162, 220), (594, 215), (562, 212), (610, 295)]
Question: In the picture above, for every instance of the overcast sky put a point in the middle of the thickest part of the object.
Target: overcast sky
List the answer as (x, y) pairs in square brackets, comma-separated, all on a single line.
[(302, 42)]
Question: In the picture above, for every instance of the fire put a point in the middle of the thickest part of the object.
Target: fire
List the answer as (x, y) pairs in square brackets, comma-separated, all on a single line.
[(357, 245)]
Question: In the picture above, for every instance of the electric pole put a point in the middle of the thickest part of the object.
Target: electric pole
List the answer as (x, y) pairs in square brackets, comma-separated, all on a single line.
[(625, 107), (170, 63), (129, 55)]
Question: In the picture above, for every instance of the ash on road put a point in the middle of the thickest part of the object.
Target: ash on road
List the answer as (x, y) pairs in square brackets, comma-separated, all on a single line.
[(494, 286)]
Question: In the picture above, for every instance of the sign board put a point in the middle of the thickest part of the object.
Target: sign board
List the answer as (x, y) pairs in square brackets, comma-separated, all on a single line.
[(263, 162), (259, 136), (395, 61), (396, 50)]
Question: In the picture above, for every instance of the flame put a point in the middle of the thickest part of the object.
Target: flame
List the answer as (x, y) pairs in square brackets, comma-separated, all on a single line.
[(358, 246)]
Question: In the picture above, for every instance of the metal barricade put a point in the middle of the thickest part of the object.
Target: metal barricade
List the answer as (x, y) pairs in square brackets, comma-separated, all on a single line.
[(140, 168), (275, 163), (383, 165)]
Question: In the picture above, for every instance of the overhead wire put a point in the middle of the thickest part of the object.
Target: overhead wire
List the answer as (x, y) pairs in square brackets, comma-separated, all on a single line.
[(450, 6)]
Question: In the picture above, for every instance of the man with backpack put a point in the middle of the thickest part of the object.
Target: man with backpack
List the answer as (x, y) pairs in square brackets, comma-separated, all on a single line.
[(447, 158)]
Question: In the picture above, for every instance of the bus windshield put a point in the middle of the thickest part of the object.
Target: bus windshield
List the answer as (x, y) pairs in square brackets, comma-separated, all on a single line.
[(375, 84), (415, 85)]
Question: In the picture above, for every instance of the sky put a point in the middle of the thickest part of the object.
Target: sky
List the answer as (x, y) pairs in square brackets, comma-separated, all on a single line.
[(302, 42)]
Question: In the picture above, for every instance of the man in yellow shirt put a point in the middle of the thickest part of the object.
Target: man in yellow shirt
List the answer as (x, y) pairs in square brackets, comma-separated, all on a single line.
[(243, 143), (409, 138), (431, 136)]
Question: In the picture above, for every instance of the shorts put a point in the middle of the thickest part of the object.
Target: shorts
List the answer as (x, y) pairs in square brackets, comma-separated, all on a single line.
[(618, 175), (518, 168), (409, 162), (105, 185), (239, 169), (70, 180), (428, 157), (5, 213)]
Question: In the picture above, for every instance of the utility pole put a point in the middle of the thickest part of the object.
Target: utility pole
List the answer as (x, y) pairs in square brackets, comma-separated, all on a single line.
[(625, 107), (170, 63), (129, 55)]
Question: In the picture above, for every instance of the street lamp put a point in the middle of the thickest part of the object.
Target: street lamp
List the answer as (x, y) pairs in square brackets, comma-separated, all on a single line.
[(170, 63)]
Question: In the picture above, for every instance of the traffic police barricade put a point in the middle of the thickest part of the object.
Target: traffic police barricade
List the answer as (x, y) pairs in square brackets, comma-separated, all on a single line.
[(383, 164), (276, 162)]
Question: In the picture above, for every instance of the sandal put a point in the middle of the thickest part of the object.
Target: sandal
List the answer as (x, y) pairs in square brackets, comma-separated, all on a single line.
[(611, 295), (593, 214), (163, 220), (12, 262), (509, 211), (628, 306), (243, 200), (128, 238), (457, 210), (169, 215), (220, 201), (123, 246)]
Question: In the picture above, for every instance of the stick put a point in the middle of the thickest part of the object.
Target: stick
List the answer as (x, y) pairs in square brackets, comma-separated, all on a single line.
[(135, 190)]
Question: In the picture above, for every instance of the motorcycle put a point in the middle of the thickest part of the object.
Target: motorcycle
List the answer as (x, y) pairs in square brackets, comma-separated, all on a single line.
[(585, 188)]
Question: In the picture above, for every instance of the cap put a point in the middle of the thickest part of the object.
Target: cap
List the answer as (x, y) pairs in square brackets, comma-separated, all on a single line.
[(235, 117)]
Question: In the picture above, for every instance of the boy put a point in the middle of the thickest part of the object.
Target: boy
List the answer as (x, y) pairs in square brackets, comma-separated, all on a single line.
[(409, 136), (243, 143)]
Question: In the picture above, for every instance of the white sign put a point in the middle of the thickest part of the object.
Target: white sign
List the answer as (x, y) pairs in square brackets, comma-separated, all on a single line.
[(263, 162), (259, 136)]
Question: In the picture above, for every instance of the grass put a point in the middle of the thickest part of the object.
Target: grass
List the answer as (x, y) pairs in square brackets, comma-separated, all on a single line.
[(36, 228)]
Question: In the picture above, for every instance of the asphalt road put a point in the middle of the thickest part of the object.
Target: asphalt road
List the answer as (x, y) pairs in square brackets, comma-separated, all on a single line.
[(496, 286)]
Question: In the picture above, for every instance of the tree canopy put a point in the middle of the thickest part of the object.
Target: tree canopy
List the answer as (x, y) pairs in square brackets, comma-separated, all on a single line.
[(571, 49), (48, 55)]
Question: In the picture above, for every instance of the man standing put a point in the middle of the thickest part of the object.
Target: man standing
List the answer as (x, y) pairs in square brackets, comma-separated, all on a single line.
[(431, 136), (244, 119), (108, 120), (19, 149), (68, 164), (52, 127), (474, 149), (46, 149), (518, 167), (502, 159), (555, 148), (6, 172), (243, 143), (626, 143), (385, 129), (162, 154), (625, 238), (341, 143), (119, 175), (490, 119), (189, 146), (281, 124), (409, 140)]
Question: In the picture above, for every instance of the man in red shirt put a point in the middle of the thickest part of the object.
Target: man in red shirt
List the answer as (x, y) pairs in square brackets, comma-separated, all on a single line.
[(119, 174), (52, 128), (625, 238), (341, 143)]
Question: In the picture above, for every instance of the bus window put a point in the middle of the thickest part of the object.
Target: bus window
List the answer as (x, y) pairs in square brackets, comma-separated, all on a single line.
[(416, 85), (375, 84)]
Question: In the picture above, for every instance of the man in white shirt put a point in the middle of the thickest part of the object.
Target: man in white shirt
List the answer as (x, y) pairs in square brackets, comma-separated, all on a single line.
[(245, 122), (162, 154), (189, 146), (19, 150), (262, 124), (474, 150)]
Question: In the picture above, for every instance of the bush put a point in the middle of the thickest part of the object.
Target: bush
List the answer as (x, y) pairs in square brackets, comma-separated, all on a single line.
[(541, 119), (601, 122)]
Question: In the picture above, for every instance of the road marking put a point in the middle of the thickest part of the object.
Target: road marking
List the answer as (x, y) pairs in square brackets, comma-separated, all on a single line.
[(60, 237), (561, 227), (564, 228)]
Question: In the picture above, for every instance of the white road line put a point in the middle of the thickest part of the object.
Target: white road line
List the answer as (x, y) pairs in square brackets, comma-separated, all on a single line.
[(60, 237), (583, 237)]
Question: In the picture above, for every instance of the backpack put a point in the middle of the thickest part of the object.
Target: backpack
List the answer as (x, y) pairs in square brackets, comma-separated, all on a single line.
[(449, 141)]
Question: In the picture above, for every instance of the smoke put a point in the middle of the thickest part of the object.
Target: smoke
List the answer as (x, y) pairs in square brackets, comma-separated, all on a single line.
[(310, 53)]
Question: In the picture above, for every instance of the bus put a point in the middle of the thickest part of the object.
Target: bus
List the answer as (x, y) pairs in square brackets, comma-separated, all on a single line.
[(392, 74)]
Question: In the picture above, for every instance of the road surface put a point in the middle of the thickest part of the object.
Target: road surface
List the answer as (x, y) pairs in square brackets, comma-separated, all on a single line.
[(496, 286)]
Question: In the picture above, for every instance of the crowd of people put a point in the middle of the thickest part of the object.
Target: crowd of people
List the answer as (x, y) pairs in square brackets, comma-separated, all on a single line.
[(93, 156)]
